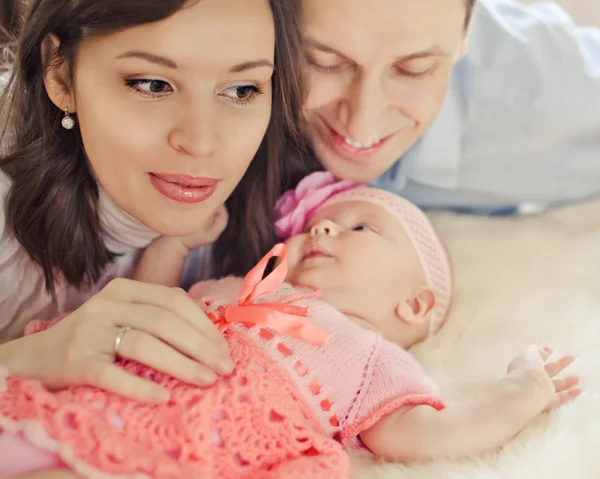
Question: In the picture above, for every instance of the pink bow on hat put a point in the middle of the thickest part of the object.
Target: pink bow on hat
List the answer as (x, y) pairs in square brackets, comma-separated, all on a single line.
[(295, 207)]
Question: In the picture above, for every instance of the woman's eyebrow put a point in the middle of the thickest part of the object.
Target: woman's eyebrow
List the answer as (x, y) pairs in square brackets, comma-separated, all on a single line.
[(167, 62), (149, 57), (242, 67)]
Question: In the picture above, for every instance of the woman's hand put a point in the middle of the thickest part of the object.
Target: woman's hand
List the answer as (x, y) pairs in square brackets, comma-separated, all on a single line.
[(533, 367), (170, 333)]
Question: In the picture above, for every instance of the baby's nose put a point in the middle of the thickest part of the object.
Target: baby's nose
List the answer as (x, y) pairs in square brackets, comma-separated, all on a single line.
[(324, 227)]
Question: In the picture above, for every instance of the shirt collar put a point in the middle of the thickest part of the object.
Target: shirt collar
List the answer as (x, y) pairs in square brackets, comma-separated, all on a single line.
[(121, 229)]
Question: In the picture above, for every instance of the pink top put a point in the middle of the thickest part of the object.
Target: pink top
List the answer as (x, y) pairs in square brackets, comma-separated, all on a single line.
[(23, 295), (353, 380)]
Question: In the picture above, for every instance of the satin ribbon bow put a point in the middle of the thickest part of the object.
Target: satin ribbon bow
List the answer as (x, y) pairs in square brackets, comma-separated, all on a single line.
[(281, 317)]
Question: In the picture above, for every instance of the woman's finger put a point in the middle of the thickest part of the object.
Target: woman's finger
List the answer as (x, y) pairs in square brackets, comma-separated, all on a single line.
[(144, 348), (112, 378), (173, 299), (173, 330)]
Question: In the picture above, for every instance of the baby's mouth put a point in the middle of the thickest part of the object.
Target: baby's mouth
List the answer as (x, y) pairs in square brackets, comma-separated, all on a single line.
[(315, 251)]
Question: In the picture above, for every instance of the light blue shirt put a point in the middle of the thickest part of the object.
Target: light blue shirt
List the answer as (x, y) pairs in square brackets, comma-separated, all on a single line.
[(519, 130)]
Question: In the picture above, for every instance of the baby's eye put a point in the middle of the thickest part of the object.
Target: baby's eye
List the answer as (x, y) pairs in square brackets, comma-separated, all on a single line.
[(362, 227)]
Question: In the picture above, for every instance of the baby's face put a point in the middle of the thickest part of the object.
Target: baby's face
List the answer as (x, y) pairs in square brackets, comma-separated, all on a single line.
[(361, 259)]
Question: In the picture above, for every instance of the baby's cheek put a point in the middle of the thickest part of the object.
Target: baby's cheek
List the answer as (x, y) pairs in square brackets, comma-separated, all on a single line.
[(294, 254)]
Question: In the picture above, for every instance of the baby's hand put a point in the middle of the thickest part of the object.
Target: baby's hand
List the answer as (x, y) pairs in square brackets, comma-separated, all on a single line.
[(532, 365), (209, 233)]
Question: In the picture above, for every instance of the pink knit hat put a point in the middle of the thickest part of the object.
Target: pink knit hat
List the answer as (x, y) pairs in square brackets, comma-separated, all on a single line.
[(295, 208)]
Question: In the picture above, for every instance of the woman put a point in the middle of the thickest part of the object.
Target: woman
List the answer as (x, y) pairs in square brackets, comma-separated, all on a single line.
[(126, 121), (500, 116)]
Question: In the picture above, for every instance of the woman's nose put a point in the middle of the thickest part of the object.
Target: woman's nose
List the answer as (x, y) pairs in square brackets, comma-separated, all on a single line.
[(324, 227), (195, 133)]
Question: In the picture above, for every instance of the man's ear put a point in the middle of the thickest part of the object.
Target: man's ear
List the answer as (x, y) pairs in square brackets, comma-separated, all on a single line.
[(417, 308), (56, 75)]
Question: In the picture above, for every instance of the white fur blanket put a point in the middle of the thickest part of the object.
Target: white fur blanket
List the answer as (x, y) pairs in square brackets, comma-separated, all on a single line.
[(519, 281)]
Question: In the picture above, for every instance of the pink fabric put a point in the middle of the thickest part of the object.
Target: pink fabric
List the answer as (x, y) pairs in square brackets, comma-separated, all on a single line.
[(18, 456), (295, 206), (282, 413), (252, 424), (279, 316)]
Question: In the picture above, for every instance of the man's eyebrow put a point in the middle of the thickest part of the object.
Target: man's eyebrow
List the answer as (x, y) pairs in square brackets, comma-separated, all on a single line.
[(433, 51), (312, 43)]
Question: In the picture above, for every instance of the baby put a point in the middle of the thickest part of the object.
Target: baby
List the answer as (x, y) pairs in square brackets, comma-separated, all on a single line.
[(313, 375)]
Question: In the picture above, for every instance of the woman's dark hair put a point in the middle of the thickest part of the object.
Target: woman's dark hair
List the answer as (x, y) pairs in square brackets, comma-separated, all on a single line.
[(52, 206), (470, 8), (282, 160)]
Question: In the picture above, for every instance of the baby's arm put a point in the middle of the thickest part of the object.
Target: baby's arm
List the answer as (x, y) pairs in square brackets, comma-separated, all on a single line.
[(162, 262), (480, 424), (164, 259)]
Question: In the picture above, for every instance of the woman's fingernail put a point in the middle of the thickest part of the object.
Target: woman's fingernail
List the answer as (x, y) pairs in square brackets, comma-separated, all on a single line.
[(160, 395), (224, 366), (206, 377)]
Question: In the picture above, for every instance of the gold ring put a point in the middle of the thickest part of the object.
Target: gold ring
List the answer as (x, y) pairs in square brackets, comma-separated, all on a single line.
[(119, 338)]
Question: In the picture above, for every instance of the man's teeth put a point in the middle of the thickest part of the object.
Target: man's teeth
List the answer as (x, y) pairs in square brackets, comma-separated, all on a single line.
[(360, 146)]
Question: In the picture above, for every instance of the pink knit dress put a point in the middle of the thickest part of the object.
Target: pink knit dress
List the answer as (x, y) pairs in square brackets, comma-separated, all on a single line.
[(306, 382)]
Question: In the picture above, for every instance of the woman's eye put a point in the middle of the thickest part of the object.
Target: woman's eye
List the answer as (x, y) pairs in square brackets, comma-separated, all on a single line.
[(150, 87), (243, 95)]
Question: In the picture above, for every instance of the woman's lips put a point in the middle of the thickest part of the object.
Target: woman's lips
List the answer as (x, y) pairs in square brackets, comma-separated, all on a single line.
[(183, 188)]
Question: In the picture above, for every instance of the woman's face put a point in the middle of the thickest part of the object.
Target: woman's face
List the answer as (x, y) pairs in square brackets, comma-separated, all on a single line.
[(172, 113), (379, 71)]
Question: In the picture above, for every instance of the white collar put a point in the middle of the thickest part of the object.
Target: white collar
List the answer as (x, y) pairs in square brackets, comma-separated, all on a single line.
[(120, 228)]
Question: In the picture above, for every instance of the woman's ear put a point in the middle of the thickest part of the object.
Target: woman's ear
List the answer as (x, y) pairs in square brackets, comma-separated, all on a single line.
[(417, 308), (56, 75)]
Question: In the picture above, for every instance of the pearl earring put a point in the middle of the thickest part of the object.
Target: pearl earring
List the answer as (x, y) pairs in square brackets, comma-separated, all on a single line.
[(67, 122)]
